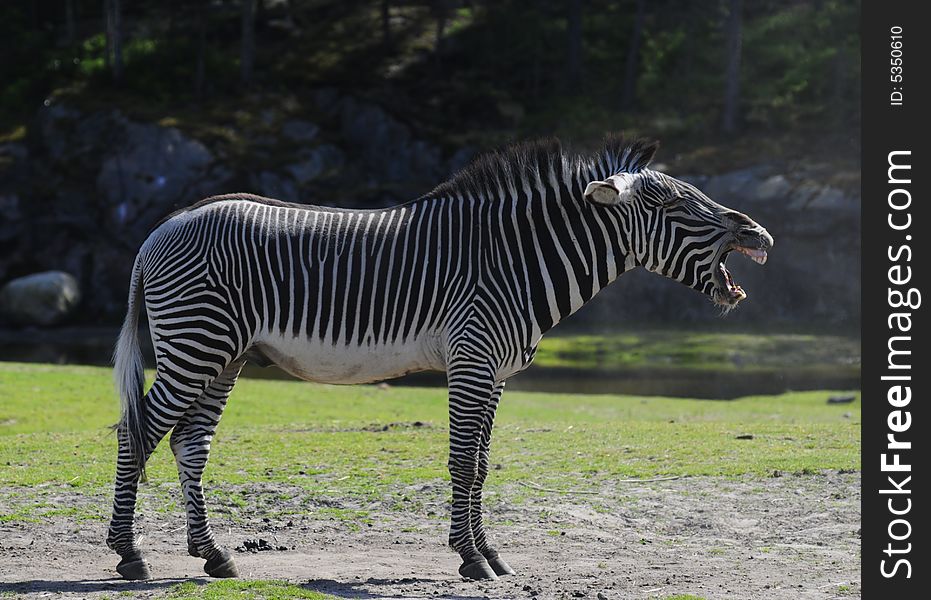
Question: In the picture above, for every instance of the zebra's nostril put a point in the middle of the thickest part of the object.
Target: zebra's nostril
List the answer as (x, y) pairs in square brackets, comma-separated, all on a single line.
[(766, 238)]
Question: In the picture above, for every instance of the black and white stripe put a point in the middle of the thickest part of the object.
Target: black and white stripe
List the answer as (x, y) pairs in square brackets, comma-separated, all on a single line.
[(466, 280)]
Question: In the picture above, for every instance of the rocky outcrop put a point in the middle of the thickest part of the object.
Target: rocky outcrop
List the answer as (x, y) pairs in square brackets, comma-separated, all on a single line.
[(151, 170), (388, 148), (80, 193), (39, 299)]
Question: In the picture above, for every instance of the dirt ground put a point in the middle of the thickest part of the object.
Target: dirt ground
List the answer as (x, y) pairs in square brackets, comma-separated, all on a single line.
[(792, 536)]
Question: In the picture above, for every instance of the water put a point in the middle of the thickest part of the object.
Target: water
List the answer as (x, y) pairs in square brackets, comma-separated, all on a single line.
[(94, 347)]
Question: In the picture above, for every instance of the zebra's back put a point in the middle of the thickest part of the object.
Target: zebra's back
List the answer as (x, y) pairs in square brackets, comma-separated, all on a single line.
[(336, 296)]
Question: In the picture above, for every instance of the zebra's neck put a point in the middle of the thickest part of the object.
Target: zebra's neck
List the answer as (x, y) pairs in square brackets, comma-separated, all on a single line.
[(545, 248)]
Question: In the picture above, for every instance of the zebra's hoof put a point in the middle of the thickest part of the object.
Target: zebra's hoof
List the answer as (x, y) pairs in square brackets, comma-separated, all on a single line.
[(134, 567), (478, 570), (498, 565), (222, 565)]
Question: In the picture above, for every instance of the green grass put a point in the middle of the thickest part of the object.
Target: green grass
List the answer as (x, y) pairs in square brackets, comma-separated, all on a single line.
[(242, 590), (700, 351), (332, 439)]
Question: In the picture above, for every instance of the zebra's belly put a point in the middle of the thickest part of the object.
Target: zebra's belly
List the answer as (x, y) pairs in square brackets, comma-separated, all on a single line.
[(324, 362)]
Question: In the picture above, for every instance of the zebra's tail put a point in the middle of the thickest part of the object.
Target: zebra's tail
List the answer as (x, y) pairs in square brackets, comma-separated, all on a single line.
[(129, 376)]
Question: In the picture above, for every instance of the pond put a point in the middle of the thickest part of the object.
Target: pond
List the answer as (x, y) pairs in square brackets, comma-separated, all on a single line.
[(685, 364)]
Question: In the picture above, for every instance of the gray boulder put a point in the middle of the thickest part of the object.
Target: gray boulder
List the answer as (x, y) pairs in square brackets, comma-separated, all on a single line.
[(39, 299), (11, 216), (388, 149), (777, 187), (317, 162), (736, 184), (273, 185), (299, 131), (154, 170)]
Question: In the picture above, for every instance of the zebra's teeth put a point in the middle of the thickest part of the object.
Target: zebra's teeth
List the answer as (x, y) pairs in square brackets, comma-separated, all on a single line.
[(756, 255)]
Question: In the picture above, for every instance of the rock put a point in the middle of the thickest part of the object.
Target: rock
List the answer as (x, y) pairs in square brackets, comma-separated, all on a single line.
[(777, 187), (460, 159), (327, 99), (299, 131), (153, 171), (698, 181), (317, 162), (140, 171), (803, 194), (57, 125), (13, 152), (830, 198), (736, 185), (108, 269), (268, 116), (10, 209), (841, 399), (39, 299), (386, 146), (273, 185)]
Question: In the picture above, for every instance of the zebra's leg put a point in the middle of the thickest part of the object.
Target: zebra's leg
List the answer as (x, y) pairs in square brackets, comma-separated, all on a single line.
[(190, 443), (497, 563), (164, 404), (470, 387)]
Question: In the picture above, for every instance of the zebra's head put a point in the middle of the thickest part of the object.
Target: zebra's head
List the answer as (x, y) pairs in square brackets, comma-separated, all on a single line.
[(676, 230)]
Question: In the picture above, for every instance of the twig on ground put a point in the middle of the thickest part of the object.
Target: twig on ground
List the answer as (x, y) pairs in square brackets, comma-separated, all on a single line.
[(669, 478), (540, 488)]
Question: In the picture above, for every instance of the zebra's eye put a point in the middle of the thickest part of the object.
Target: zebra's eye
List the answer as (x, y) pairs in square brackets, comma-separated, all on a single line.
[(673, 201)]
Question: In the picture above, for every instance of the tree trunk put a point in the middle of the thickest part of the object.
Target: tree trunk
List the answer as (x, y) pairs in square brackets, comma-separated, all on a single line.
[(69, 23), (386, 23), (732, 72), (440, 9), (247, 53), (574, 49), (200, 65), (114, 46), (633, 58), (117, 41), (108, 33)]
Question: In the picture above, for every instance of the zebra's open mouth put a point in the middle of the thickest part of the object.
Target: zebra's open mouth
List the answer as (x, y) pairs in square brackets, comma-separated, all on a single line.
[(727, 292)]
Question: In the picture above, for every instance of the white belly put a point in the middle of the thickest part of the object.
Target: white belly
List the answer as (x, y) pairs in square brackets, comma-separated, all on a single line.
[(323, 362)]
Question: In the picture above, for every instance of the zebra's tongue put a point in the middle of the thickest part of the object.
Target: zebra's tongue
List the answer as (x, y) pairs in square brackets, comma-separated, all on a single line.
[(735, 290)]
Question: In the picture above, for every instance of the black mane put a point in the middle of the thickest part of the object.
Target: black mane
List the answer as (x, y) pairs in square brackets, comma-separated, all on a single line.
[(497, 168), (504, 168)]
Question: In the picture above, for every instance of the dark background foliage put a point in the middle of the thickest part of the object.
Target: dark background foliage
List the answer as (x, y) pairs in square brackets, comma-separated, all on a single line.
[(394, 95)]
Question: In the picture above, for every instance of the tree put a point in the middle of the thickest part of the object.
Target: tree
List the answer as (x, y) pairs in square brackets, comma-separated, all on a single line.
[(114, 45), (200, 62), (441, 12), (386, 23), (574, 48), (247, 51), (633, 57), (732, 72), (69, 23)]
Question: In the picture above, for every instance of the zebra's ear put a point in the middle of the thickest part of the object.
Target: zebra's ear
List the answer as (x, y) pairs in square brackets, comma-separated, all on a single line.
[(612, 191)]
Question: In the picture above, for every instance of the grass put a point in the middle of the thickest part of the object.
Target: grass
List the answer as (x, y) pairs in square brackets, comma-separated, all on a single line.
[(699, 351), (242, 590), (365, 440)]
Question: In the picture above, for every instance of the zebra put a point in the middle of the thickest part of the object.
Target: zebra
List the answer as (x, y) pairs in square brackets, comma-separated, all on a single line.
[(465, 279)]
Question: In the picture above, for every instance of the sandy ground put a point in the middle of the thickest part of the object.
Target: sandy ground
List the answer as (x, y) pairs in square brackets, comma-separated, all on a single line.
[(794, 536)]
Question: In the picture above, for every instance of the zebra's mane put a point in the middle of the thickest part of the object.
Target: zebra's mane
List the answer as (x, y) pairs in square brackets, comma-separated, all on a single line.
[(528, 161)]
